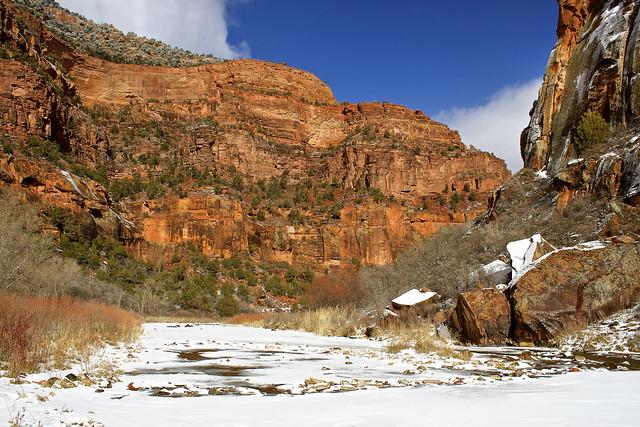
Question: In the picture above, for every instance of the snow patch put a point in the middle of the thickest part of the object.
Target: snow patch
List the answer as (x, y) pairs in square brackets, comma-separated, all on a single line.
[(494, 395), (413, 297), (72, 181), (495, 267), (130, 225), (589, 246), (542, 174), (522, 253)]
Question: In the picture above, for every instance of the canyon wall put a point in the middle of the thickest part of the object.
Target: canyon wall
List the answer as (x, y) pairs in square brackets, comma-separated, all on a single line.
[(392, 174), (594, 66)]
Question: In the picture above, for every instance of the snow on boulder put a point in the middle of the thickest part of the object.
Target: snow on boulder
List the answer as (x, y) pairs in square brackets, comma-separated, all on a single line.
[(524, 252), (389, 313), (498, 271), (412, 298)]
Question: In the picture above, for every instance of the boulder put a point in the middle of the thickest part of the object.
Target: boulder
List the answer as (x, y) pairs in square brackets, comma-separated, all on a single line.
[(569, 289), (482, 316)]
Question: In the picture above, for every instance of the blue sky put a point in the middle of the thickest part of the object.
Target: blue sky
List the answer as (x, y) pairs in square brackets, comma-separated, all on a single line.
[(474, 65), (432, 55)]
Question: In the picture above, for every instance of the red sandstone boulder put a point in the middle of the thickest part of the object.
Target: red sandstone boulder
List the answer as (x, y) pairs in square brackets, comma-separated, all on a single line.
[(570, 289), (482, 316)]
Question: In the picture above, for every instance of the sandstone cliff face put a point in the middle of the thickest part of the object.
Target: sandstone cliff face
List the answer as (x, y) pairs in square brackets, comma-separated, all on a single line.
[(594, 66), (248, 121), (275, 118), (86, 199), (367, 234)]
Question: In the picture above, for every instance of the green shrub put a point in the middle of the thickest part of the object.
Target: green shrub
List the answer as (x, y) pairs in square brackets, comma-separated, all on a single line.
[(99, 174), (592, 131), (237, 183), (243, 293), (231, 263), (7, 147), (198, 293), (154, 189), (376, 193), (295, 217), (120, 189), (43, 148), (252, 279), (227, 305)]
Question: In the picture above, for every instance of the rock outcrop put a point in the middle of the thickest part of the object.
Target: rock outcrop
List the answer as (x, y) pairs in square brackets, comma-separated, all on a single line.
[(571, 289), (563, 291), (594, 66), (482, 317)]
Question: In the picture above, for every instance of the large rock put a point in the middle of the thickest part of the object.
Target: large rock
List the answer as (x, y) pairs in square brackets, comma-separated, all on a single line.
[(570, 289), (482, 317)]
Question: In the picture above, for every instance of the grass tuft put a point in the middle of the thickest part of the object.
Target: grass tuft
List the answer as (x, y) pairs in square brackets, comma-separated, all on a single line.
[(421, 337)]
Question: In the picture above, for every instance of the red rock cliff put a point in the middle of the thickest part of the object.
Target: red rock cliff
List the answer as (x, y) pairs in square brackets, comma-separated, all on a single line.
[(594, 66), (391, 175)]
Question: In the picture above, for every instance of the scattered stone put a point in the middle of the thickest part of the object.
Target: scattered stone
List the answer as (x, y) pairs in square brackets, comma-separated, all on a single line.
[(132, 387), (312, 381)]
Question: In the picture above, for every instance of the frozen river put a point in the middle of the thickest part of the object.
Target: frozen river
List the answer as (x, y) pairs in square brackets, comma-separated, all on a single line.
[(218, 375)]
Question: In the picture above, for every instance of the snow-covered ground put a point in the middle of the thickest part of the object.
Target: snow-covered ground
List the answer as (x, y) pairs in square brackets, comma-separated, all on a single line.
[(226, 375), (619, 333)]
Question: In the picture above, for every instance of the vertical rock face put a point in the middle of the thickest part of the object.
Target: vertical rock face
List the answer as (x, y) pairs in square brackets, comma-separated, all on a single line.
[(595, 66), (383, 175)]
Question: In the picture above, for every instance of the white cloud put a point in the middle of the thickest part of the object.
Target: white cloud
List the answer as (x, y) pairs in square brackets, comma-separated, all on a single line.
[(197, 25), (496, 125)]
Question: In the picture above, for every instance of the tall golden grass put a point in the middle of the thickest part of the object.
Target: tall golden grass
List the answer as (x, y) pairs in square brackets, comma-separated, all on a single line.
[(328, 321), (408, 333), (37, 332)]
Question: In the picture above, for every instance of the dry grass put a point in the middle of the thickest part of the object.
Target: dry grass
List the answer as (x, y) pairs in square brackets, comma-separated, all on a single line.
[(329, 321), (419, 336), (250, 319), (39, 331), (345, 322), (180, 318)]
